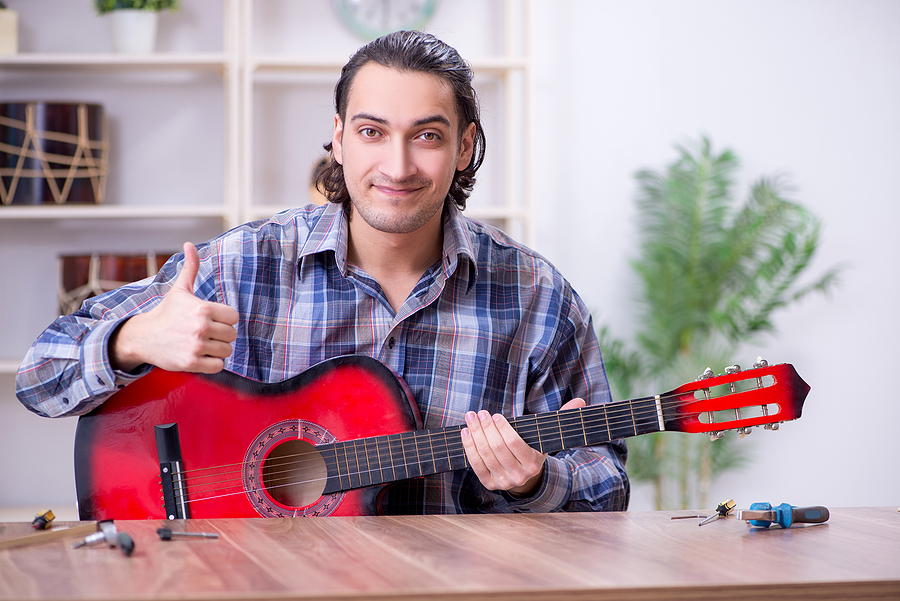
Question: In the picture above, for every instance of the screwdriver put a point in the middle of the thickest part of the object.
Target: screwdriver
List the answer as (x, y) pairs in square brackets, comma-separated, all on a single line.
[(722, 509), (167, 534)]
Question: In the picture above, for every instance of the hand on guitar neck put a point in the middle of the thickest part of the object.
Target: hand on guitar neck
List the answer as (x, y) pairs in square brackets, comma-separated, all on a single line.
[(182, 333), (499, 456)]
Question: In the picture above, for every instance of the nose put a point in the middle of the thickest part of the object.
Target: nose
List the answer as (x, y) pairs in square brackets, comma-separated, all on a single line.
[(399, 163)]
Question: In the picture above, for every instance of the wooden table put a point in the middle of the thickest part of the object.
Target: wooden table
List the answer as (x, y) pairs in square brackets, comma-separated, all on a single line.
[(629, 555)]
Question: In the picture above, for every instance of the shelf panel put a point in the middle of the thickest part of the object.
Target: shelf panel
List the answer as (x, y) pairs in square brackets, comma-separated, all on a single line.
[(37, 212), (213, 60), (282, 62), (9, 366)]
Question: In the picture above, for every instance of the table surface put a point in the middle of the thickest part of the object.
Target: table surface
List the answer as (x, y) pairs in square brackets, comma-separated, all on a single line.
[(578, 556)]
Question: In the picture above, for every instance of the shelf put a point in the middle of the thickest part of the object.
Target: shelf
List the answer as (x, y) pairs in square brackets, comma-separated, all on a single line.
[(36, 212), (128, 61), (9, 366), (275, 62)]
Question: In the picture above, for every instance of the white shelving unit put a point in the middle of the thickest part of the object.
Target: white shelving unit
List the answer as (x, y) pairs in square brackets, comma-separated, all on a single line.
[(255, 165)]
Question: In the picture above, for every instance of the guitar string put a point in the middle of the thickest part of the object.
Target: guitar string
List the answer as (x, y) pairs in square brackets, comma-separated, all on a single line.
[(291, 467)]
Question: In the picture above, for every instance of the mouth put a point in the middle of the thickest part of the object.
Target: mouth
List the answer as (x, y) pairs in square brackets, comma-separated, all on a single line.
[(396, 191)]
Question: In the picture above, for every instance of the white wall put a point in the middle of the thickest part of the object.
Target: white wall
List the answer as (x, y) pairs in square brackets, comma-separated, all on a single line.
[(809, 87), (806, 87)]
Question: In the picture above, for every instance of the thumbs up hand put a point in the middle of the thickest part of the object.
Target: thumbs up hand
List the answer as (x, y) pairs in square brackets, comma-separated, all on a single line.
[(182, 333)]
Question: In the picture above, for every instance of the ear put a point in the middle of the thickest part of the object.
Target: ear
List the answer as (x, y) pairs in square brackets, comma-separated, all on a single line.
[(336, 137), (466, 147)]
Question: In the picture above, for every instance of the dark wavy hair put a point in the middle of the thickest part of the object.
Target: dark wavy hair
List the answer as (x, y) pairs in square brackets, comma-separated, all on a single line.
[(419, 52)]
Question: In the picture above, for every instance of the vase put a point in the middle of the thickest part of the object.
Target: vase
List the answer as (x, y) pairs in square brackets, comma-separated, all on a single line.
[(133, 31)]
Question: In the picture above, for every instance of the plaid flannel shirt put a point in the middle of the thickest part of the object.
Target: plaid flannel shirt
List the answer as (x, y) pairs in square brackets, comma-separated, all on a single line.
[(492, 326)]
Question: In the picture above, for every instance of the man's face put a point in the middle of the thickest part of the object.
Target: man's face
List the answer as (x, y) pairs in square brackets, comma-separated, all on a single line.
[(399, 146)]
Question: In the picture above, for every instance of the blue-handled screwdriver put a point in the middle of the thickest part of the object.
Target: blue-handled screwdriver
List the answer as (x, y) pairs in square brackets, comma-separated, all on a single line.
[(763, 515)]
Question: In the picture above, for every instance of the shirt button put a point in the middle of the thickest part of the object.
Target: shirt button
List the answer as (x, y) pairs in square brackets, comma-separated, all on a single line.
[(391, 342)]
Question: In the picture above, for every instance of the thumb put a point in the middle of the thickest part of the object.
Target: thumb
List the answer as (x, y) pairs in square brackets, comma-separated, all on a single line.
[(185, 279)]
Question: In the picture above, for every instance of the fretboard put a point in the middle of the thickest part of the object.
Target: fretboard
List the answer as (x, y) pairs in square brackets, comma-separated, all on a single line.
[(381, 459)]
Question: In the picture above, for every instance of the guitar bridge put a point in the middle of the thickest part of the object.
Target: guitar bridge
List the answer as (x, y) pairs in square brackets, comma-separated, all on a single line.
[(171, 472)]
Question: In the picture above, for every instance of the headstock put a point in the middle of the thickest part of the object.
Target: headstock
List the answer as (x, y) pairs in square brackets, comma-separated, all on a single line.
[(736, 400)]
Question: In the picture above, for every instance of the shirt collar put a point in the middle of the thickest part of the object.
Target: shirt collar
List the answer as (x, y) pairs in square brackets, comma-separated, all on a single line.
[(330, 232), (457, 245)]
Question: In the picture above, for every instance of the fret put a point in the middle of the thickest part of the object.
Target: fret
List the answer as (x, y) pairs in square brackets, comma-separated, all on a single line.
[(621, 424), (441, 452), (571, 427), (392, 456), (583, 427), (410, 455), (367, 476), (352, 463), (425, 453), (455, 451), (329, 455), (383, 455), (647, 419)]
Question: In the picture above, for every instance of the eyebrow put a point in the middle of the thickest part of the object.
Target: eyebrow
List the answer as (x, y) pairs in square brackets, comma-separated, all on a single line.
[(417, 123)]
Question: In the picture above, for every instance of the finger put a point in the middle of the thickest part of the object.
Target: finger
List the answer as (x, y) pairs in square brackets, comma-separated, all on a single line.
[(493, 445), (209, 365), (475, 460), (220, 332), (520, 458), (574, 404), (223, 314), (189, 269)]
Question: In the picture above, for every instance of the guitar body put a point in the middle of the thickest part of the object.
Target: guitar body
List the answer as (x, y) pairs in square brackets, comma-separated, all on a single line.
[(232, 432)]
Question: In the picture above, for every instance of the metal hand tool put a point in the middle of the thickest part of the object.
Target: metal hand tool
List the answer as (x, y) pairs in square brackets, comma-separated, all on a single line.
[(763, 515), (168, 534), (722, 509), (111, 536)]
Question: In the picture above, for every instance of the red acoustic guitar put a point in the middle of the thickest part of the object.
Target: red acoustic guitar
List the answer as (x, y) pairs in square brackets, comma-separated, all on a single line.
[(178, 445)]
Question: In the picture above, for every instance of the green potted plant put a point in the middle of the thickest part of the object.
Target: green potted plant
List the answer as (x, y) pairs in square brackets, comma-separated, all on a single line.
[(712, 274), (133, 23)]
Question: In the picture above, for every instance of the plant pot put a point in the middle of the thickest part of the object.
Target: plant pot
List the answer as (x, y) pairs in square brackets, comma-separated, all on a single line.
[(133, 31)]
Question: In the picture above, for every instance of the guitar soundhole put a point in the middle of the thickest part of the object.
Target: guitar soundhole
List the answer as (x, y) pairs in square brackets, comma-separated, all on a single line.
[(284, 474), (294, 474)]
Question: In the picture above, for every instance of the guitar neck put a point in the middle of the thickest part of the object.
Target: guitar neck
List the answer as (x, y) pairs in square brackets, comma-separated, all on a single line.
[(382, 459)]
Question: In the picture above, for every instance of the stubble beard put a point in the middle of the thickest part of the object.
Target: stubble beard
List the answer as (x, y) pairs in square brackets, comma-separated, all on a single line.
[(397, 221)]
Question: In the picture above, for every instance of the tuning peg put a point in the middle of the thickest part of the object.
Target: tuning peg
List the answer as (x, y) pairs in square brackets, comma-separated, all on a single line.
[(732, 369), (771, 426), (707, 374), (713, 436), (760, 362), (744, 431)]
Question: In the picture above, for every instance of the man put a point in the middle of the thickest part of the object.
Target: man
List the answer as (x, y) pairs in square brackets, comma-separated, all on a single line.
[(479, 327)]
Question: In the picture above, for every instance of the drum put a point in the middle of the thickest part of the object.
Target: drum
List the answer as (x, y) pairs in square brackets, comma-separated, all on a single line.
[(84, 276), (52, 153)]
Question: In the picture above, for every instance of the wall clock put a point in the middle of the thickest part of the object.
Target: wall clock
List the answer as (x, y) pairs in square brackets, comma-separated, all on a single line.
[(370, 19)]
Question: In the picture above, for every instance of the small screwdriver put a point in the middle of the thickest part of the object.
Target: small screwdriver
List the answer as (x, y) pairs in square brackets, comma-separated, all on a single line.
[(167, 534), (722, 509)]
